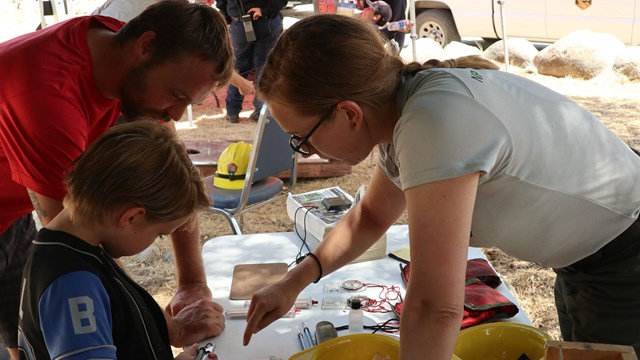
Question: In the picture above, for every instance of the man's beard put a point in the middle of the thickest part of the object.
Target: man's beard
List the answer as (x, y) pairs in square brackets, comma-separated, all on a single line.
[(131, 94)]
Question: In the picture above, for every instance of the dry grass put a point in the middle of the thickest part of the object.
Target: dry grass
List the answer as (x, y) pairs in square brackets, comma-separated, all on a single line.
[(615, 102)]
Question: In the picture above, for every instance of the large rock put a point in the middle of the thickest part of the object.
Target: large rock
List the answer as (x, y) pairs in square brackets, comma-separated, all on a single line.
[(521, 52), (426, 49), (581, 54), (457, 49), (628, 63)]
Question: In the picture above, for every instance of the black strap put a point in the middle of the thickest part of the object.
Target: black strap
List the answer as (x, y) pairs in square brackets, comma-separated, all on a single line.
[(240, 8), (231, 176)]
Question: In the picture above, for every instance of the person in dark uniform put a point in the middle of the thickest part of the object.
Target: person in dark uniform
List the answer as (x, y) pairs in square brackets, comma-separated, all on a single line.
[(253, 37), (398, 12)]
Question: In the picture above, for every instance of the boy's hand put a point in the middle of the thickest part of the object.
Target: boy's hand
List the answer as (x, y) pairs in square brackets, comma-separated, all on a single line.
[(200, 320)]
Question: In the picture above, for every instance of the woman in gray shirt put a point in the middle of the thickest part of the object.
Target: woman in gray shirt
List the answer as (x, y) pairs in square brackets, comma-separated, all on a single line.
[(464, 149)]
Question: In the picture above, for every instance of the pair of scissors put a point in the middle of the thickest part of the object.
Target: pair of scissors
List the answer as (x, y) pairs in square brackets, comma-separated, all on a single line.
[(207, 349)]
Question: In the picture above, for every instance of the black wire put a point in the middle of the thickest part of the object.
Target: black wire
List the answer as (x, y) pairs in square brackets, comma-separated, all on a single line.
[(377, 327), (385, 326), (299, 256)]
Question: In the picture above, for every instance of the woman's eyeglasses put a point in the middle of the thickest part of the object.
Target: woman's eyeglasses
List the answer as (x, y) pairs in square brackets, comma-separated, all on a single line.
[(301, 144)]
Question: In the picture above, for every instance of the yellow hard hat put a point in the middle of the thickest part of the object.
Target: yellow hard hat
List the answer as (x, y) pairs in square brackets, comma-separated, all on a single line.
[(232, 166)]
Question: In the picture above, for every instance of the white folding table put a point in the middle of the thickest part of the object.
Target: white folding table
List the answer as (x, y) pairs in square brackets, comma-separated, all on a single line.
[(279, 340)]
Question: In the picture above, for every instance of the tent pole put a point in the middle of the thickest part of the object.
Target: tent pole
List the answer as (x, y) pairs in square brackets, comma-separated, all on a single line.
[(414, 35), (504, 35)]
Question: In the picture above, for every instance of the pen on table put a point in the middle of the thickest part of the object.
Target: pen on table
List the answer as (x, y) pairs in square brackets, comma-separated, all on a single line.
[(301, 339), (307, 334)]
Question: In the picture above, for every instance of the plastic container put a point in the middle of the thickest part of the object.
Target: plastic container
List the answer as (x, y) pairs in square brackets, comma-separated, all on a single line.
[(501, 340), (355, 347), (400, 25), (352, 347), (356, 317)]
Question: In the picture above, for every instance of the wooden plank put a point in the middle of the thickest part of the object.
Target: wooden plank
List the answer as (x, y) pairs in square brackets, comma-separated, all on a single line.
[(205, 154), (557, 350)]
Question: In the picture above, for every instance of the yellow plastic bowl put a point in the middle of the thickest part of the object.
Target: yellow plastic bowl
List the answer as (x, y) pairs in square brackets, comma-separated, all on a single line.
[(500, 340), (352, 347)]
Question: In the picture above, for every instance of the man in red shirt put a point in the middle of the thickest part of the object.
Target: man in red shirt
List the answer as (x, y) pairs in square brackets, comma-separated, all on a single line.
[(62, 87)]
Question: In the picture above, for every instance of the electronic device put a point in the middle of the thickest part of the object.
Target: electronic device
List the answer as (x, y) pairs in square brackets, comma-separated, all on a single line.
[(336, 203), (248, 28)]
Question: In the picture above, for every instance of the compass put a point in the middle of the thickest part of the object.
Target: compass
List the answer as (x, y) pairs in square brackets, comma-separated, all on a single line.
[(352, 285)]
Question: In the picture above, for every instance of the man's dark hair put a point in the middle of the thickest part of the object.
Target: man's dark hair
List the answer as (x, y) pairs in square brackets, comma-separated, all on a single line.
[(184, 28)]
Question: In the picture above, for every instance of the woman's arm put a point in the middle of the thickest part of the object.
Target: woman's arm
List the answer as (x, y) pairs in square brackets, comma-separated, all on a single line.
[(382, 204), (439, 228), (363, 225)]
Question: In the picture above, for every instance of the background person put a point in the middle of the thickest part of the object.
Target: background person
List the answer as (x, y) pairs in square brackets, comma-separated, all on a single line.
[(266, 21), (382, 15), (398, 12), (86, 306), (65, 85), (460, 149), (378, 13)]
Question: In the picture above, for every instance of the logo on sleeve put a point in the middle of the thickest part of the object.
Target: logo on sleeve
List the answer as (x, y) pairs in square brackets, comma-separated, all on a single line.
[(81, 310), (476, 76)]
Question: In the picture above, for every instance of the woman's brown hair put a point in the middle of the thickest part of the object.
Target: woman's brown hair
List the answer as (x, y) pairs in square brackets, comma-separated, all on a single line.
[(324, 59), (139, 163)]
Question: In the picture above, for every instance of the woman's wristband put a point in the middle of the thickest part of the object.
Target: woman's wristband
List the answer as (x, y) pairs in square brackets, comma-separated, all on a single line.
[(312, 255)]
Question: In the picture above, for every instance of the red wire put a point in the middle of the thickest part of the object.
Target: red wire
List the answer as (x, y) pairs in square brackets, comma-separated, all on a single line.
[(386, 296)]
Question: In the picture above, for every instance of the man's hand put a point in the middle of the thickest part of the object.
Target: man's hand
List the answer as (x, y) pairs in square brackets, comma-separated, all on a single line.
[(199, 320), (408, 27), (255, 13), (188, 294)]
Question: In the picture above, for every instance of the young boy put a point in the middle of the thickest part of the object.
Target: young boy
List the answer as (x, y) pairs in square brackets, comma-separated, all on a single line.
[(135, 183)]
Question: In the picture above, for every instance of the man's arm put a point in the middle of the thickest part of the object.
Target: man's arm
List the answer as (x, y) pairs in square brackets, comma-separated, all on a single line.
[(186, 246), (46, 207), (192, 282)]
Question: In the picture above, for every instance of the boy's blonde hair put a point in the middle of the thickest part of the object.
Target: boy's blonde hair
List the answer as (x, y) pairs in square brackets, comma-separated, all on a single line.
[(140, 164)]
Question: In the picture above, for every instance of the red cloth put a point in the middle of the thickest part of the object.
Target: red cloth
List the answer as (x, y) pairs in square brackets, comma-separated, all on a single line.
[(481, 269), (482, 302), (50, 111)]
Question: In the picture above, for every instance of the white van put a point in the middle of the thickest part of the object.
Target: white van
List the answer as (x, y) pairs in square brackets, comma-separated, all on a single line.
[(536, 20)]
